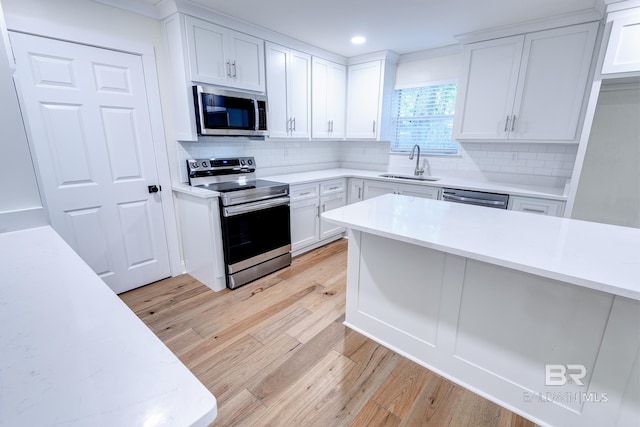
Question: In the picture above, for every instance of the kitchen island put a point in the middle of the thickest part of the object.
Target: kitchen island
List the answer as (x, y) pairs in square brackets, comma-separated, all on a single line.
[(539, 314), (73, 354)]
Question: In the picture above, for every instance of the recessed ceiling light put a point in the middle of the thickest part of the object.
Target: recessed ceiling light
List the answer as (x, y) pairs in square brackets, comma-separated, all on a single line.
[(358, 40)]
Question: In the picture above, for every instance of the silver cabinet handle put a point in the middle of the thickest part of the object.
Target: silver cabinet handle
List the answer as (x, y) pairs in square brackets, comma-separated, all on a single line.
[(333, 188), (506, 124), (305, 193), (373, 128), (289, 124), (324, 208), (318, 211), (513, 123), (359, 192), (542, 211), (294, 124), (235, 70), (228, 69), (329, 126)]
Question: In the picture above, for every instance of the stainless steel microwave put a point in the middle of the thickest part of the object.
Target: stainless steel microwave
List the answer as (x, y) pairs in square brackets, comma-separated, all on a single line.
[(225, 112)]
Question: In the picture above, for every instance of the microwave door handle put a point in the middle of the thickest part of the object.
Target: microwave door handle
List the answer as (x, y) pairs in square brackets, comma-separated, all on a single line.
[(256, 121)]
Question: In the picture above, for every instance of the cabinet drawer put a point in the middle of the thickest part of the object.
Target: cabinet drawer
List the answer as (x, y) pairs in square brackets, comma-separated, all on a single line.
[(331, 187), (537, 206), (303, 191)]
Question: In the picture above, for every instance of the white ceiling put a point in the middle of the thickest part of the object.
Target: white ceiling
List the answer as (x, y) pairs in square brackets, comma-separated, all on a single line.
[(402, 26)]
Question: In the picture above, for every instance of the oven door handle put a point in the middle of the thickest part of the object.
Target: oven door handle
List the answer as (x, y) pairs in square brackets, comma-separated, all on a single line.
[(254, 206)]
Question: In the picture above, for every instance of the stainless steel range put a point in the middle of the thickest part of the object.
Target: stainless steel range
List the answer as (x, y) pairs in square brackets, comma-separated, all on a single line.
[(254, 214)]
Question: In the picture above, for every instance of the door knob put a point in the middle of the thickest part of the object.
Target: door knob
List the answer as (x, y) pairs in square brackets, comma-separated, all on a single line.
[(154, 188)]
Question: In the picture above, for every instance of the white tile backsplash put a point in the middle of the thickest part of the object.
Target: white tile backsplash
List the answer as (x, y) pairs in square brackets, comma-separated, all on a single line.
[(537, 163), (288, 156)]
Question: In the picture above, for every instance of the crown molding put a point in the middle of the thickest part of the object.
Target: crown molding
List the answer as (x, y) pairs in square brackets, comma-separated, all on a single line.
[(580, 17)]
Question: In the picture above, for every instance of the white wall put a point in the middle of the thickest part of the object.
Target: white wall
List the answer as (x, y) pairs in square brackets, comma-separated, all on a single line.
[(609, 186), (20, 204)]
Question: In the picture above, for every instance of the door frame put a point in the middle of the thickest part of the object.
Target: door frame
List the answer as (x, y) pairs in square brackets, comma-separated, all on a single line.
[(146, 52)]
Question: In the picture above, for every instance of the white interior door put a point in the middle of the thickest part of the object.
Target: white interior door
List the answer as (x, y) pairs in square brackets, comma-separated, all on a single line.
[(89, 122)]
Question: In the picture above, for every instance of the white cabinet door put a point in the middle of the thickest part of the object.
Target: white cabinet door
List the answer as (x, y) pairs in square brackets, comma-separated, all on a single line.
[(419, 191), (363, 95), (554, 71), (328, 99), (246, 54), (220, 56), (536, 206), (337, 99), (207, 52), (356, 190), (623, 48), (485, 95), (299, 91), (525, 88), (278, 117), (328, 203), (304, 223), (289, 89), (378, 188)]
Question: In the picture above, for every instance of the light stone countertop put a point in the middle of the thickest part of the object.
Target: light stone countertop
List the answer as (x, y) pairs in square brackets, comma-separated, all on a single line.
[(552, 193), (73, 354), (592, 255)]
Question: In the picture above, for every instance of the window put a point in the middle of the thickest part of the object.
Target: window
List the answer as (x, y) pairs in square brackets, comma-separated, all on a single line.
[(424, 116)]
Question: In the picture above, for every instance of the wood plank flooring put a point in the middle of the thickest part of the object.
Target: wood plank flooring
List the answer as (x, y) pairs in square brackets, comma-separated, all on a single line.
[(275, 353)]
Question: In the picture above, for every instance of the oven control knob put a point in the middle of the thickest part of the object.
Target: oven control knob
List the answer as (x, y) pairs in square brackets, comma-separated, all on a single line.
[(250, 162), (242, 162), (195, 165), (204, 164)]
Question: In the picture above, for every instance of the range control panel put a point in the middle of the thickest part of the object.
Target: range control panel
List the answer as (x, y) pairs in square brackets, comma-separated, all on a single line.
[(244, 164)]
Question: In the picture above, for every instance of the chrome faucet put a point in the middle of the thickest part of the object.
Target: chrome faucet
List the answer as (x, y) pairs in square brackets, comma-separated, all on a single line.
[(418, 171)]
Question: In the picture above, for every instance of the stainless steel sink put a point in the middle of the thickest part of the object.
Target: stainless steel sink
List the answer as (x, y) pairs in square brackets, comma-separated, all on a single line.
[(410, 177)]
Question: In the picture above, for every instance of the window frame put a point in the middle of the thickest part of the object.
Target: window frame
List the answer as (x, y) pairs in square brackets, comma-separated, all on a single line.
[(395, 119)]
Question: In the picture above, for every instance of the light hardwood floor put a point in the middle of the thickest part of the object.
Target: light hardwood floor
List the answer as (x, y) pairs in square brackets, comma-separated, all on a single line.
[(275, 353)]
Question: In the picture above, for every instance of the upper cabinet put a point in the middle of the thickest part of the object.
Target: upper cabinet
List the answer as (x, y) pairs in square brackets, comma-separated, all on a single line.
[(623, 47), (328, 99), (289, 91), (369, 91), (220, 56), (525, 88), (202, 52)]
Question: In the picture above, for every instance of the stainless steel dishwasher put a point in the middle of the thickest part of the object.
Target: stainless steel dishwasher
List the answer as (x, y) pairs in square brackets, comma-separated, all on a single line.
[(478, 198)]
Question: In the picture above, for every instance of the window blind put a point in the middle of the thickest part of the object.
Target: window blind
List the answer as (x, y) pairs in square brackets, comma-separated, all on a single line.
[(424, 116)]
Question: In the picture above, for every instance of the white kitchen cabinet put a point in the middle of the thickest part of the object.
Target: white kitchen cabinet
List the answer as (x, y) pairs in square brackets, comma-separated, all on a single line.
[(622, 53), (289, 91), (220, 56), (356, 190), (536, 206), (369, 91), (374, 188), (328, 99), (305, 223), (525, 88), (308, 201)]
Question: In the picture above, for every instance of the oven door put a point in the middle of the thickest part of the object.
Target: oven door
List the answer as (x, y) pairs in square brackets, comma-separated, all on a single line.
[(254, 233)]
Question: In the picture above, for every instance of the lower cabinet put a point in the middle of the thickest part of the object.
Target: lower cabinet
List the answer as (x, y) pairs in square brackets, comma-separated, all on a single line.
[(537, 206), (308, 201), (356, 190), (377, 188)]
